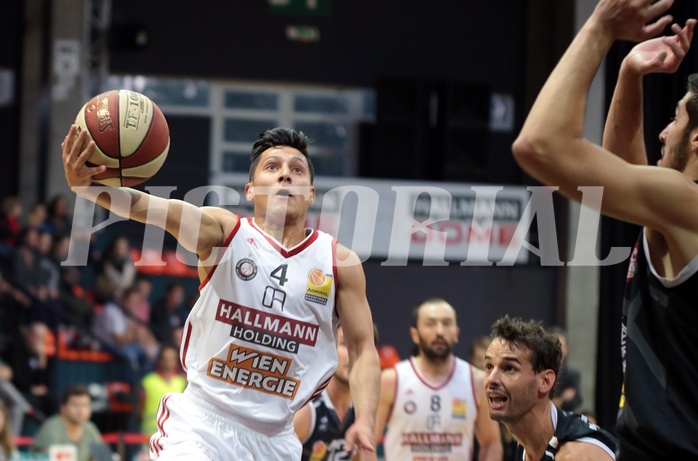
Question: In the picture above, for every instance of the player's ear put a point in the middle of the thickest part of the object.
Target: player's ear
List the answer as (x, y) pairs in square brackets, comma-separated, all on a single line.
[(311, 196), (249, 191), (414, 335), (547, 381)]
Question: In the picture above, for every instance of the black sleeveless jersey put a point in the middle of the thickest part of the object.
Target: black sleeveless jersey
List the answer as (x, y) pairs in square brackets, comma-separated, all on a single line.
[(573, 427), (327, 433), (658, 417)]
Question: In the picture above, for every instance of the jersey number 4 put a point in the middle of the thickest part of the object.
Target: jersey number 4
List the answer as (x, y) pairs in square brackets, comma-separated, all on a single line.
[(280, 274)]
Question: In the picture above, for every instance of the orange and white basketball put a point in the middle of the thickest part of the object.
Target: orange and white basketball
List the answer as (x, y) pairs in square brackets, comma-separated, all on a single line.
[(130, 133)]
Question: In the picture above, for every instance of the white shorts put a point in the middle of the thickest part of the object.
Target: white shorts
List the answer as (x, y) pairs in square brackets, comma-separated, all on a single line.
[(190, 432)]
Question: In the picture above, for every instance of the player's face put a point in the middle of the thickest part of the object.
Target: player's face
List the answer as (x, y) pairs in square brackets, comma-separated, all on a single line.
[(436, 332), (168, 361), (342, 373), (77, 409), (281, 183), (676, 147), (511, 384)]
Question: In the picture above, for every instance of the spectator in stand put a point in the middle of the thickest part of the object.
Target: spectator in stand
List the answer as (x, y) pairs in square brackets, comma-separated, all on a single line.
[(49, 268), (31, 360), (169, 313), (10, 222), (26, 262), (15, 307), (74, 298), (59, 220), (144, 286), (115, 327), (8, 452), (37, 216), (117, 272), (17, 405), (71, 426), (166, 378)]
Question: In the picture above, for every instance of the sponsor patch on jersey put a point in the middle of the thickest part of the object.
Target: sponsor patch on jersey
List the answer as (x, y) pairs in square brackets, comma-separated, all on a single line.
[(256, 370), (246, 269), (459, 408), (319, 287)]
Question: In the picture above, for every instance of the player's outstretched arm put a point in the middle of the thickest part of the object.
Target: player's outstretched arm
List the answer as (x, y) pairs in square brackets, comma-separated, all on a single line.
[(551, 146), (198, 229), (624, 130), (364, 366)]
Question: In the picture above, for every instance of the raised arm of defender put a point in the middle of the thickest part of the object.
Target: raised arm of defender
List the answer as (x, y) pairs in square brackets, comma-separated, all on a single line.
[(624, 131), (198, 229), (551, 146)]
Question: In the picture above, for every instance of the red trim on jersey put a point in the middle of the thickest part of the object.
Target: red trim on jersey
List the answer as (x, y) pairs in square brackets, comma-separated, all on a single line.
[(472, 384), (334, 273), (155, 444), (424, 380), (284, 252), (319, 390), (220, 255), (185, 346)]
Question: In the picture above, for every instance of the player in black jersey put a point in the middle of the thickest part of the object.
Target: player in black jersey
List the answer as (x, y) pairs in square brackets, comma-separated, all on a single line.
[(321, 424), (659, 412), (522, 363)]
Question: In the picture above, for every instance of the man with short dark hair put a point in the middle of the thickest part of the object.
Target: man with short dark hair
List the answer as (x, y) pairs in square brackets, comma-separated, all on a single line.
[(260, 342), (72, 426), (522, 363)]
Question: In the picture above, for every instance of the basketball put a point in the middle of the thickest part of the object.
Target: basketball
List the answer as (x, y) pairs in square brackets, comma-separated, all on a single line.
[(131, 136)]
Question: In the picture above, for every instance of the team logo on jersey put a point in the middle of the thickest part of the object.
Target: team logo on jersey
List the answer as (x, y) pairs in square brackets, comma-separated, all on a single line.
[(251, 241), (246, 269), (459, 408), (319, 287), (410, 407)]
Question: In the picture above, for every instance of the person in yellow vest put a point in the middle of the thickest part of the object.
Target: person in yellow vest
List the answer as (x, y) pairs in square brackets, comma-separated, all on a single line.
[(166, 378)]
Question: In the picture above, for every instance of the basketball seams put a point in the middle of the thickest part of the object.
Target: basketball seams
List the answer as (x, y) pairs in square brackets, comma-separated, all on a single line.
[(130, 133)]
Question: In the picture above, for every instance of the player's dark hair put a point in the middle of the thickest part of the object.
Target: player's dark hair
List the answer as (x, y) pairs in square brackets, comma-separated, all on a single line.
[(692, 103), (77, 390), (280, 137), (545, 348)]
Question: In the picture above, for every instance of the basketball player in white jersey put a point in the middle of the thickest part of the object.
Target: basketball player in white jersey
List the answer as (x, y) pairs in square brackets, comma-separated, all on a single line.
[(260, 341), (434, 403)]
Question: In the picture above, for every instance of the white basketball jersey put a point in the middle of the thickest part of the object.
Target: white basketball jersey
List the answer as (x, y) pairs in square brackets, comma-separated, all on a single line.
[(432, 421), (260, 341)]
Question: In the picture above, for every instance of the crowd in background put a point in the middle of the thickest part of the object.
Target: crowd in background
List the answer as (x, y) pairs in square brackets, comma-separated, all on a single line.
[(107, 306)]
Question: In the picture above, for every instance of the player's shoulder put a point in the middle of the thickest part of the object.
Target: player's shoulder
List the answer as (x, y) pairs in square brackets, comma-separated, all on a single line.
[(225, 218), (576, 450)]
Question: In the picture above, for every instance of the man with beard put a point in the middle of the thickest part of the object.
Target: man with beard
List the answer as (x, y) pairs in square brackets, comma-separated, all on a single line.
[(430, 402), (658, 418), (522, 364)]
